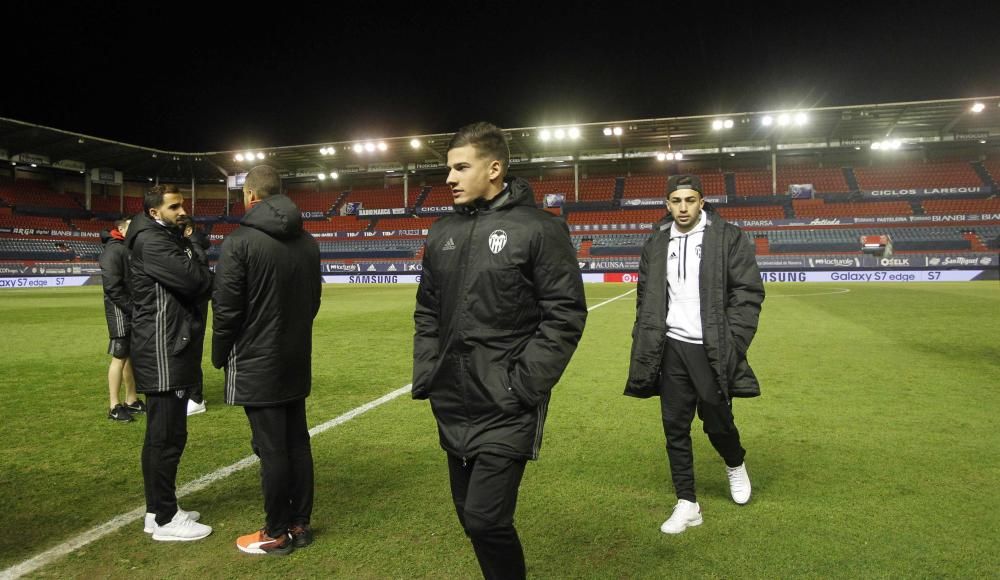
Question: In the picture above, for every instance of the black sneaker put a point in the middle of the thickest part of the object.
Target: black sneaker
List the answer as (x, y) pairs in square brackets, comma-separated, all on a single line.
[(302, 535), (136, 408), (120, 414)]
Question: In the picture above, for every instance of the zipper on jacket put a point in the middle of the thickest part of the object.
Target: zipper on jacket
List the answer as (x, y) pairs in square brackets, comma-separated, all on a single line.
[(465, 298)]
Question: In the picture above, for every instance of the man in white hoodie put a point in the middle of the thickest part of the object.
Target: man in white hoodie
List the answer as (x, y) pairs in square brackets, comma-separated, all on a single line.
[(698, 304)]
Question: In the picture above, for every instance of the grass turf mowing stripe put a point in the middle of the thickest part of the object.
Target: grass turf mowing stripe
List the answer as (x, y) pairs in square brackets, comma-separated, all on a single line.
[(118, 522)]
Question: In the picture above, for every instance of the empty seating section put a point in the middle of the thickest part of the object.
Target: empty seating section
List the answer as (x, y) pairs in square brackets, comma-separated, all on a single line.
[(34, 222), (751, 212), (370, 249), (848, 240), (92, 225), (650, 186), (595, 189), (48, 250), (609, 232), (418, 223), (440, 196), (808, 208), (210, 206), (961, 206), (380, 198), (927, 175), (646, 186), (28, 193), (823, 179), (616, 217), (753, 183), (314, 200), (992, 166), (337, 224)]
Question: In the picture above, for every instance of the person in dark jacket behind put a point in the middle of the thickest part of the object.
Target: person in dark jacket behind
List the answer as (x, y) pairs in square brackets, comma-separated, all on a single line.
[(267, 292), (170, 285), (500, 309), (118, 312), (697, 309)]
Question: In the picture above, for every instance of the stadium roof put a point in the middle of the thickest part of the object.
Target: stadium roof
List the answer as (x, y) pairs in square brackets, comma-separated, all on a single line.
[(914, 124)]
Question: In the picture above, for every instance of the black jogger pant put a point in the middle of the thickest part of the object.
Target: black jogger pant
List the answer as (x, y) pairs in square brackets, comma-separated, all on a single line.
[(166, 436), (687, 382), (280, 437), (484, 489)]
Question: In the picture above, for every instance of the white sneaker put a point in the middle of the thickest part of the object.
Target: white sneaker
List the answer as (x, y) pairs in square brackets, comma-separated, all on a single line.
[(149, 524), (181, 529), (686, 515), (195, 408), (739, 483)]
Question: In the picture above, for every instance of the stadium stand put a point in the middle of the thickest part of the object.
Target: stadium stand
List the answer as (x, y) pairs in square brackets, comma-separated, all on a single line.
[(378, 198), (929, 175)]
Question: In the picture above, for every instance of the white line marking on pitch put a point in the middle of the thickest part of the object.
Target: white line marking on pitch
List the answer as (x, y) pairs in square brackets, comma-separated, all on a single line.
[(119, 522)]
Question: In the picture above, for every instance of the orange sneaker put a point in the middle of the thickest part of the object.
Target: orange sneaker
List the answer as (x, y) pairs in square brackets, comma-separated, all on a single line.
[(261, 543)]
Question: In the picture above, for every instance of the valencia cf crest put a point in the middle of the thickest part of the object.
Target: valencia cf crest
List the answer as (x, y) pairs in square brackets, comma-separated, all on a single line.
[(697, 250), (498, 239)]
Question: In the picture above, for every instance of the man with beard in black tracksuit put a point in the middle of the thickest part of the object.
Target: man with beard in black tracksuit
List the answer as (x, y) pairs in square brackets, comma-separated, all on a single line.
[(267, 292), (170, 285), (500, 310), (697, 308)]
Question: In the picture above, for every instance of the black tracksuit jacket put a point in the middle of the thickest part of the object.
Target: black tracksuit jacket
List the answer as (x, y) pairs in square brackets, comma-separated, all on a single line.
[(267, 292), (500, 310), (170, 284), (114, 277)]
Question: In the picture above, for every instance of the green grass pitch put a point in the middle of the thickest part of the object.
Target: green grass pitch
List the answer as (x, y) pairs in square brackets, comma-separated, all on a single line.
[(873, 450)]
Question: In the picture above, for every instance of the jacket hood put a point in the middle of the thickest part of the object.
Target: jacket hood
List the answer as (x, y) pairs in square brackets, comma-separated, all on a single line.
[(276, 216), (518, 192), (106, 236)]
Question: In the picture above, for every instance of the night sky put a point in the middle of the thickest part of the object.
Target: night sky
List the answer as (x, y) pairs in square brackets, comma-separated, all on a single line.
[(191, 80)]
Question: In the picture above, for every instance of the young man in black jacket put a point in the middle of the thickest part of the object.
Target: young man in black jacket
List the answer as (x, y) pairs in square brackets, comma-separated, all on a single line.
[(697, 308), (118, 312), (170, 285), (500, 310), (267, 292)]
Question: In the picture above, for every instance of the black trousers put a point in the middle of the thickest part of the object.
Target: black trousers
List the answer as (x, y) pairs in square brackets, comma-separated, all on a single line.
[(280, 437), (687, 382), (484, 489), (166, 436)]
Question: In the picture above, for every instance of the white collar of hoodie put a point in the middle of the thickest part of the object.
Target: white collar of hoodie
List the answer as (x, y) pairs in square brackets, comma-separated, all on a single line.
[(699, 227)]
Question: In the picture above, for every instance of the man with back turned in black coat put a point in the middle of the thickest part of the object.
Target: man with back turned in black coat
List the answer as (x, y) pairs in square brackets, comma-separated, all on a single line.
[(267, 292)]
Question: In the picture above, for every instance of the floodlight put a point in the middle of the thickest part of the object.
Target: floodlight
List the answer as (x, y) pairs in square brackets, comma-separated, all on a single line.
[(784, 119), (978, 108), (358, 147), (239, 157), (321, 176), (728, 123), (801, 119), (369, 147), (717, 125), (661, 157), (415, 143), (618, 131), (767, 120), (260, 155), (545, 135), (574, 133), (382, 146), (607, 131)]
